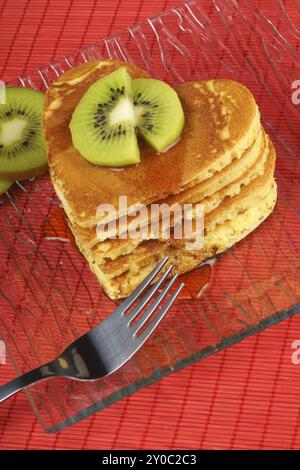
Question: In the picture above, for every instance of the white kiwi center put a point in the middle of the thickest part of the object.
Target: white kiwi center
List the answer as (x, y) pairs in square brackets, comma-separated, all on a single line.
[(123, 111), (138, 111), (11, 131)]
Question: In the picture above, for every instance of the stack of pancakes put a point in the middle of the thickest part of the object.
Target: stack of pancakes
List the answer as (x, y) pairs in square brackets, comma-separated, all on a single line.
[(224, 160)]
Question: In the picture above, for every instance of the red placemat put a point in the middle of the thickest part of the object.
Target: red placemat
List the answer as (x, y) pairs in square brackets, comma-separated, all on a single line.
[(244, 397)]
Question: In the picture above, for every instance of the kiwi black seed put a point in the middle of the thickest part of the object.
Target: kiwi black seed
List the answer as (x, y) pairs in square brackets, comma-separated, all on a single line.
[(22, 146)]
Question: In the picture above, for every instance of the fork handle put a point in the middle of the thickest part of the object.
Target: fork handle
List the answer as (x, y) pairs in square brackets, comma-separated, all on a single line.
[(24, 380)]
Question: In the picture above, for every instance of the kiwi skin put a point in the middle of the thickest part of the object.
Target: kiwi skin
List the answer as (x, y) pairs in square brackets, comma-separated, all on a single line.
[(25, 175)]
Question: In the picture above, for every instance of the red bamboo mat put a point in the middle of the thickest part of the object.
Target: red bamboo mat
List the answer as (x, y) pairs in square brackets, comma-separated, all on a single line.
[(244, 397)]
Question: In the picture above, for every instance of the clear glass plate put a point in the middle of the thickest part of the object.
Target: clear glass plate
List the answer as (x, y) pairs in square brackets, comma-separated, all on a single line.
[(48, 294)]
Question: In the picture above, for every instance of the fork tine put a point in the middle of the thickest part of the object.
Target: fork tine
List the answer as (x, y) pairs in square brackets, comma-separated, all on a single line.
[(148, 331), (126, 304), (136, 310), (147, 314)]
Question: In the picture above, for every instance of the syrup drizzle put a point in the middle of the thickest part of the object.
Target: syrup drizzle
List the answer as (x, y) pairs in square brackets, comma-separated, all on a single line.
[(196, 281), (56, 227)]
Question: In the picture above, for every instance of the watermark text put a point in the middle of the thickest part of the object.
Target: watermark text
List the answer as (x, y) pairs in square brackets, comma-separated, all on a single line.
[(2, 92), (296, 92), (2, 352), (155, 221)]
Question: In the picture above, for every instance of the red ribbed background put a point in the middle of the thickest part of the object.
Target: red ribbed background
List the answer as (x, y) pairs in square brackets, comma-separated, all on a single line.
[(244, 397)]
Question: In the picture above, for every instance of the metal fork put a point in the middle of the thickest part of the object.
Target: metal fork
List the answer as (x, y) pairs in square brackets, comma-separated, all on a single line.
[(111, 344)]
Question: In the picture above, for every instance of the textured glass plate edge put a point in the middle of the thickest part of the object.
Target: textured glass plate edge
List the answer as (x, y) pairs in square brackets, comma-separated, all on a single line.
[(180, 364), (161, 373), (27, 389)]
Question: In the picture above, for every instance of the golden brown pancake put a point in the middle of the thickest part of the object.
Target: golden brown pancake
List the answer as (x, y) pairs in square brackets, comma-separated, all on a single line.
[(225, 236), (222, 121), (112, 248), (229, 209), (216, 240), (224, 161)]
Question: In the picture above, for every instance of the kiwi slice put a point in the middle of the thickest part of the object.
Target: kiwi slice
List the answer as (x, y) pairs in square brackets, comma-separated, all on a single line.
[(103, 123), (22, 146), (5, 185), (158, 112)]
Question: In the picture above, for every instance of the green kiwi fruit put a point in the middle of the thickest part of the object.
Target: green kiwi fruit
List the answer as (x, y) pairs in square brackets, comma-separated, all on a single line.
[(158, 112), (22, 146), (103, 123), (5, 185)]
